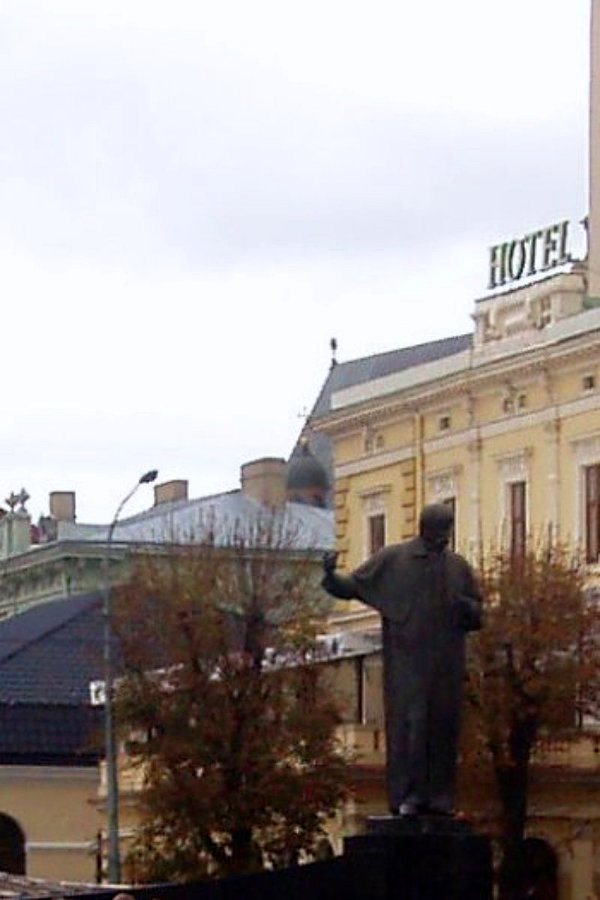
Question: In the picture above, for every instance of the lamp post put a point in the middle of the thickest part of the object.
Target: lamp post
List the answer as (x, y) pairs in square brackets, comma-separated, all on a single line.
[(112, 783)]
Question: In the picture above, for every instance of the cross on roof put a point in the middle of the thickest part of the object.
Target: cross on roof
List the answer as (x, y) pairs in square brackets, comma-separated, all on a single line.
[(19, 499)]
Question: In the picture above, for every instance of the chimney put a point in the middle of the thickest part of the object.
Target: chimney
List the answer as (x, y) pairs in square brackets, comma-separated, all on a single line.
[(170, 491), (62, 506), (15, 533), (264, 480)]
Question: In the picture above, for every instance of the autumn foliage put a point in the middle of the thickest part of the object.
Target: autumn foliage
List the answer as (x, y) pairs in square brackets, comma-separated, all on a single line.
[(224, 709), (533, 680)]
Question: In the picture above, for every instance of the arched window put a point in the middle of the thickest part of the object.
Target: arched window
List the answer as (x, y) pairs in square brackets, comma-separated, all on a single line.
[(541, 869), (12, 846)]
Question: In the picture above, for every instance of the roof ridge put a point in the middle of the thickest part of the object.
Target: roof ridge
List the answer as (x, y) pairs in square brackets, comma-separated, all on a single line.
[(450, 337), (353, 365), (172, 506)]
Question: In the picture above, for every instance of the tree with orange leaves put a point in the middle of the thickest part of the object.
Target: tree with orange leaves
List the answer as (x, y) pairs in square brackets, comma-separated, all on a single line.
[(533, 680), (230, 723)]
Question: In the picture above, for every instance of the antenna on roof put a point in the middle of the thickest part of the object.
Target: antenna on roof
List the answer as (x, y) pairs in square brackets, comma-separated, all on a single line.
[(333, 346)]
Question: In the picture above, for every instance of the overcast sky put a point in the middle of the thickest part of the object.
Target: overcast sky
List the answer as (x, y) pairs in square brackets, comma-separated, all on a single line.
[(196, 196)]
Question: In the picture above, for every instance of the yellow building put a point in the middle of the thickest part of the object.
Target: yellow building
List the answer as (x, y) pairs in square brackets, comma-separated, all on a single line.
[(505, 426)]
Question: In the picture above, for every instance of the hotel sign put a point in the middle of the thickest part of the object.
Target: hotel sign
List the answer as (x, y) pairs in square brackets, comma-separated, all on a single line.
[(537, 252)]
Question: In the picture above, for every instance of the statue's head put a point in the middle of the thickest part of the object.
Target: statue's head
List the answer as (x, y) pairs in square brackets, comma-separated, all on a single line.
[(435, 526)]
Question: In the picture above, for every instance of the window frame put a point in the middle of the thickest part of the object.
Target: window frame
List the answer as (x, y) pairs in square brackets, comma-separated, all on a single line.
[(591, 513), (374, 504), (517, 518), (586, 453), (513, 468), (373, 521)]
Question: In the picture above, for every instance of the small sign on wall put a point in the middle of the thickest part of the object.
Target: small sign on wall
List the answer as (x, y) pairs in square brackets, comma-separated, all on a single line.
[(97, 693)]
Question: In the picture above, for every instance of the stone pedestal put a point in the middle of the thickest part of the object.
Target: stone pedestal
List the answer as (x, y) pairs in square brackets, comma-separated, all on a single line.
[(425, 858)]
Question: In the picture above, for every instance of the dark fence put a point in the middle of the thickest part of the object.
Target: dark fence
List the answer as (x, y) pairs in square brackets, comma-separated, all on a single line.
[(396, 860), (341, 878)]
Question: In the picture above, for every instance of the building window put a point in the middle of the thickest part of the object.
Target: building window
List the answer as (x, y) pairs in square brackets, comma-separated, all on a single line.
[(451, 502), (518, 518), (444, 423), (545, 312), (376, 533), (373, 441), (375, 506), (443, 486), (588, 383), (514, 478), (513, 401), (586, 452), (12, 846), (359, 675), (592, 513)]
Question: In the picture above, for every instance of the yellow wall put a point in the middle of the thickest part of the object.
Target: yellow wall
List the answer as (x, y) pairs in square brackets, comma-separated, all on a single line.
[(478, 456), (521, 413), (54, 808)]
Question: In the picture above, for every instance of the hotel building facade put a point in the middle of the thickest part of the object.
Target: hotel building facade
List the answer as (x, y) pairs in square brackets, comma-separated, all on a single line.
[(502, 423)]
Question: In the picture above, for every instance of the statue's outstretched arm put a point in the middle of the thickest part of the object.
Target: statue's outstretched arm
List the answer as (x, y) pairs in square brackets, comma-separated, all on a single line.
[(341, 586)]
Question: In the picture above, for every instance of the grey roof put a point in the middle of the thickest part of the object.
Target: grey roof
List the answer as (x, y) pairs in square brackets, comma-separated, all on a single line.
[(48, 656), (38, 734), (305, 471), (368, 368), (359, 371), (226, 516), (50, 653)]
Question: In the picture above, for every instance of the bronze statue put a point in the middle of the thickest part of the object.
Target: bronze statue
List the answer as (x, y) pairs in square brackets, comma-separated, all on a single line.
[(428, 599)]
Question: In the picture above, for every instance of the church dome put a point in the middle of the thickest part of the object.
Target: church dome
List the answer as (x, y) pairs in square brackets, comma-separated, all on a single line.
[(307, 480)]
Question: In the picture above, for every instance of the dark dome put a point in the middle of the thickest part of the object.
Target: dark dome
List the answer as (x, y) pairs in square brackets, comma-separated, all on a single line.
[(305, 472)]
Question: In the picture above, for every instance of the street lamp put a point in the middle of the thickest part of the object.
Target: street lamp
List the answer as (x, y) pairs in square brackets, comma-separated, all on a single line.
[(112, 783)]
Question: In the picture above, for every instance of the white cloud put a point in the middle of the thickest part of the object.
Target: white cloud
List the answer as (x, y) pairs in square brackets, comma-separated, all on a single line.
[(195, 197)]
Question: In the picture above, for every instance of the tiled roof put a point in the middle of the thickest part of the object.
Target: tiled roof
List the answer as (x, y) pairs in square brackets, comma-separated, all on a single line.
[(50, 735), (48, 656), (50, 653), (359, 371)]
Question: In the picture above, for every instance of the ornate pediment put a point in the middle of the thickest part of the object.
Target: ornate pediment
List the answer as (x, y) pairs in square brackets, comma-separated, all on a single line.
[(443, 483)]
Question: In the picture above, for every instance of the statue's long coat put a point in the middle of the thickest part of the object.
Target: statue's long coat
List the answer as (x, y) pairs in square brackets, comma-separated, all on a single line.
[(428, 601)]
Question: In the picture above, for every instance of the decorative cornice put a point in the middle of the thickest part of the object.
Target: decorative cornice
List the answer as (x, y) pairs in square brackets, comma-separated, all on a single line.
[(444, 483), (60, 846), (517, 365), (375, 502), (49, 773), (586, 448), (514, 465), (375, 491), (472, 438), (375, 461)]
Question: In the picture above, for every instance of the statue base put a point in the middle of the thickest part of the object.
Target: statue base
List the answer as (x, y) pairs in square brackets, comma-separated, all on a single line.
[(425, 858)]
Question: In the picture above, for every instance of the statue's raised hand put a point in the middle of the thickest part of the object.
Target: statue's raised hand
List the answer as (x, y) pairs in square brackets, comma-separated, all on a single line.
[(330, 561)]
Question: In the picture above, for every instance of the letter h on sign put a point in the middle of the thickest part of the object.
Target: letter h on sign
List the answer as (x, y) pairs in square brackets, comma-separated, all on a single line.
[(497, 265)]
